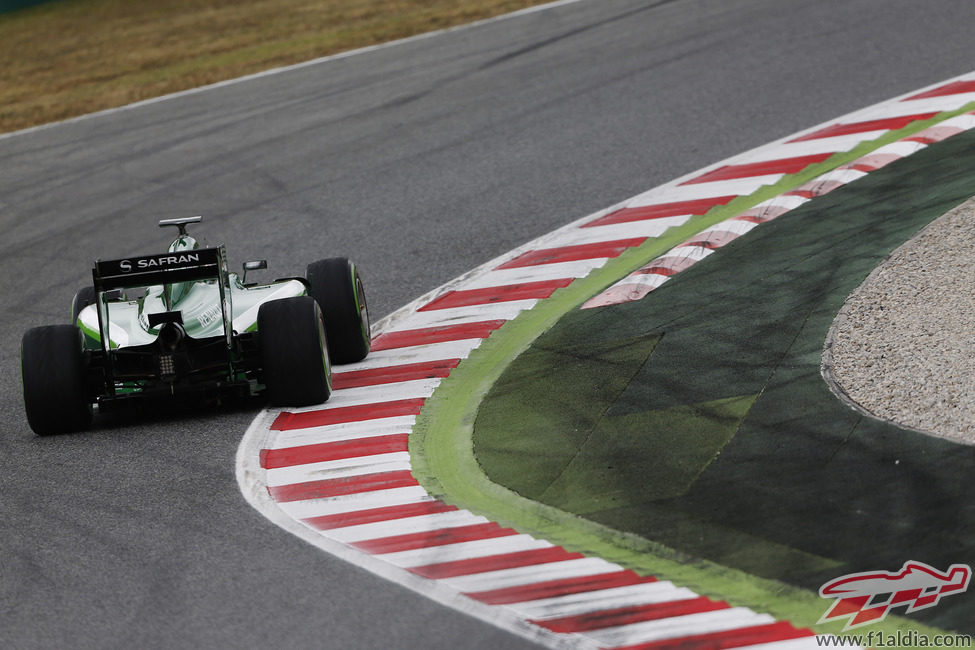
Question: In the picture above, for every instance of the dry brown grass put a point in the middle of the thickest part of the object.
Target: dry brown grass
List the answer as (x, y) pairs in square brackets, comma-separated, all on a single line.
[(72, 57)]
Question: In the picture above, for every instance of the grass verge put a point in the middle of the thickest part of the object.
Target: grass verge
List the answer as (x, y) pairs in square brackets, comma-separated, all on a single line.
[(71, 57)]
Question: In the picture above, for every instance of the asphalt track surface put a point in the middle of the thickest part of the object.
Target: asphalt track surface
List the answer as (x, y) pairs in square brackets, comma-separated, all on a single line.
[(419, 160)]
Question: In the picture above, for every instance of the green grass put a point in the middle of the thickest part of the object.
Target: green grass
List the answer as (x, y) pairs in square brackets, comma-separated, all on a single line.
[(66, 58)]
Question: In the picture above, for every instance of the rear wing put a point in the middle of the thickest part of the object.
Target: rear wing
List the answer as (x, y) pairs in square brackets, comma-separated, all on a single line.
[(165, 268)]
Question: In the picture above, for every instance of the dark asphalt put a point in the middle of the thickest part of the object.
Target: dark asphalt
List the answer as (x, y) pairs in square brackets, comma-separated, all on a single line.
[(419, 161)]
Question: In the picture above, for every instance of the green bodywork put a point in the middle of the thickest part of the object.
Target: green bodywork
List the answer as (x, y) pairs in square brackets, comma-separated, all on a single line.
[(127, 314), (210, 314), (128, 322)]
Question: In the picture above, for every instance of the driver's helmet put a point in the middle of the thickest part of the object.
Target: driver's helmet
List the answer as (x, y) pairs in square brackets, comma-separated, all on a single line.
[(176, 290)]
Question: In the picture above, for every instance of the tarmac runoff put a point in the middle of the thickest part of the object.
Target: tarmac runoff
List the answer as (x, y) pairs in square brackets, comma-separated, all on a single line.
[(340, 476)]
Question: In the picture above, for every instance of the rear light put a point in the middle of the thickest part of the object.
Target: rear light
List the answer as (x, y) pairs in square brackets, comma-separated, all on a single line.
[(167, 365)]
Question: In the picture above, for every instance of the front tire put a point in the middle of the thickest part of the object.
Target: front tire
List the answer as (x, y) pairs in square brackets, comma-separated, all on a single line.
[(54, 371), (294, 352), (336, 285)]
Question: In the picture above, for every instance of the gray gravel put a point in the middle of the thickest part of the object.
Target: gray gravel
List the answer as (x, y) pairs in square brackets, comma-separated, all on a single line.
[(903, 347)]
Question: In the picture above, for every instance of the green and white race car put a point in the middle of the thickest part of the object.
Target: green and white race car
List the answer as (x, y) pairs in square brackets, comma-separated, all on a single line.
[(178, 324)]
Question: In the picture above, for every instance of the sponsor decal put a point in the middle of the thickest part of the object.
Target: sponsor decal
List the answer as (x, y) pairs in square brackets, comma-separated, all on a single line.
[(210, 315), (154, 262), (866, 598)]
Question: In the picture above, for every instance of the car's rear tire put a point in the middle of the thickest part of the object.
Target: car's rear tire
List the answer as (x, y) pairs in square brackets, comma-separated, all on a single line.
[(336, 285), (294, 352), (54, 371), (85, 296)]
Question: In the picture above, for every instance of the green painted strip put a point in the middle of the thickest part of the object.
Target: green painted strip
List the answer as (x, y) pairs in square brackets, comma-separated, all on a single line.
[(443, 462), (443, 457)]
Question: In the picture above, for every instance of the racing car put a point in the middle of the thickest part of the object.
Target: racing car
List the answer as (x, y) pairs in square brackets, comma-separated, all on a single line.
[(179, 324)]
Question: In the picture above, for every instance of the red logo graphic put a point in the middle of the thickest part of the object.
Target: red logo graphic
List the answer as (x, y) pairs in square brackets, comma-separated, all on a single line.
[(867, 597)]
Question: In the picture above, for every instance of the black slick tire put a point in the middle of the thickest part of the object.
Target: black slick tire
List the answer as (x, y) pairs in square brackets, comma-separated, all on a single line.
[(294, 352), (336, 285), (54, 371)]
